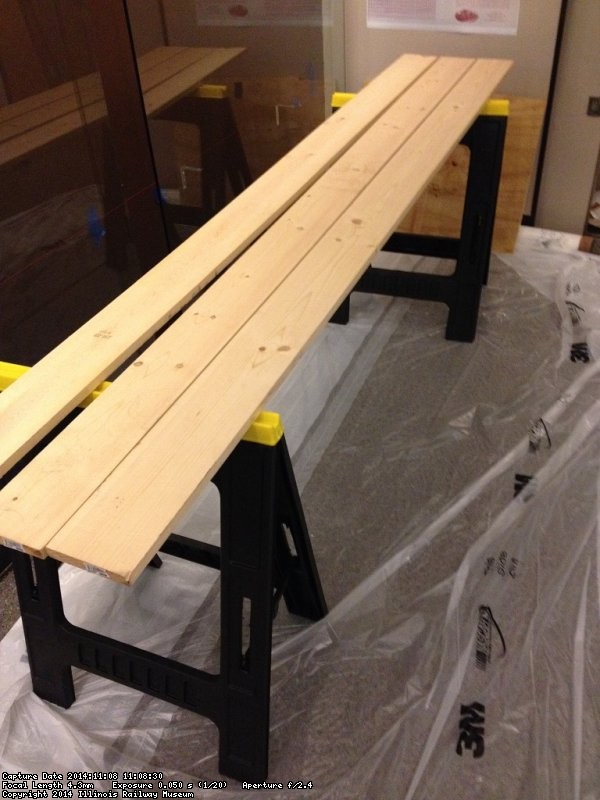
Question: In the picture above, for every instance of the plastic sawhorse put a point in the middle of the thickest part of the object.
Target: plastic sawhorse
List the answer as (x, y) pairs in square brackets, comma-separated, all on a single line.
[(265, 553), (461, 291), (223, 160)]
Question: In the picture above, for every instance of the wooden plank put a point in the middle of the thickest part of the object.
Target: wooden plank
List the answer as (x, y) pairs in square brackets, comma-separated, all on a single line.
[(165, 469), (157, 55), (173, 61), (68, 100), (165, 77), (146, 490), (29, 115), (110, 337), (180, 83), (48, 132), (9, 373), (151, 387), (34, 110), (15, 112)]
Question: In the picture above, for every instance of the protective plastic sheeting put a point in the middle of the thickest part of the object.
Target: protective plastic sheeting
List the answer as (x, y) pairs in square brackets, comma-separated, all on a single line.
[(451, 492)]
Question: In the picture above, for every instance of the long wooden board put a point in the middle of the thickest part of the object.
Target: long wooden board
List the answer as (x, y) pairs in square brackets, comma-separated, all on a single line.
[(165, 75), (164, 469), (63, 378), (106, 432)]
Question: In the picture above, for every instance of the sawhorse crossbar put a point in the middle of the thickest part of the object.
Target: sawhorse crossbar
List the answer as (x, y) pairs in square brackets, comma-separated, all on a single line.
[(265, 553), (461, 291)]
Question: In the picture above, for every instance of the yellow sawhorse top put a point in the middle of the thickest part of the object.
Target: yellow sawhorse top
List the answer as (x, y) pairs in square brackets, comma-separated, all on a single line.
[(495, 107)]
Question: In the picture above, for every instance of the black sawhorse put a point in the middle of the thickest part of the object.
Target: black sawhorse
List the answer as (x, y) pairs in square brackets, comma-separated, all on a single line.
[(461, 291), (223, 161), (265, 553)]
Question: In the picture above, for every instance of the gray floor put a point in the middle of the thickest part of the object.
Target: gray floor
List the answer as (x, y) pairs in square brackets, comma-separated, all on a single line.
[(408, 486), (9, 607)]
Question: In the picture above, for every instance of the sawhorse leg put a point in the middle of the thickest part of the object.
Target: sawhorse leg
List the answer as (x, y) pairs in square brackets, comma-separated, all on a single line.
[(40, 600), (265, 553), (485, 140), (259, 500)]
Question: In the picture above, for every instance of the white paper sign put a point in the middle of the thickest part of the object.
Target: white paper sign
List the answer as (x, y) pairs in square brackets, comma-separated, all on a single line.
[(463, 16), (259, 12)]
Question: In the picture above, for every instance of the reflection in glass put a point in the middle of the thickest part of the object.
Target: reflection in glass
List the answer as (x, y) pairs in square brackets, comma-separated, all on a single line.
[(65, 244), (253, 87)]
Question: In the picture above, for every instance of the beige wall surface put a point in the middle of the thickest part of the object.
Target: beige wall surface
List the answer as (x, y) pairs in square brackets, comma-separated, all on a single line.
[(574, 137), (369, 50)]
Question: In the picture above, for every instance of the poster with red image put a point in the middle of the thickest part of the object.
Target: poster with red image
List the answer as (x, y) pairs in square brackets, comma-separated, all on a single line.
[(261, 12), (463, 16)]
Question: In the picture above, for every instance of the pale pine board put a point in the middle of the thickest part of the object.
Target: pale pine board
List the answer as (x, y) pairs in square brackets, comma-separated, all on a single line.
[(184, 76), (17, 122), (63, 378), (99, 439), (165, 76), (39, 109), (33, 110), (129, 515)]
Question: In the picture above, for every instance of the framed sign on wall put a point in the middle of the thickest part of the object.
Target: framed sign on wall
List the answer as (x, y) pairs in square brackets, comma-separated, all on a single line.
[(462, 16)]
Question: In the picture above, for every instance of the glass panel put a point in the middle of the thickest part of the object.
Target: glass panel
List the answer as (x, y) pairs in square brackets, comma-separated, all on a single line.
[(229, 89), (66, 246)]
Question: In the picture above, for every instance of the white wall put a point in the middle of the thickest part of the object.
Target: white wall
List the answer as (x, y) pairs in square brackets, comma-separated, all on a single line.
[(574, 139)]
